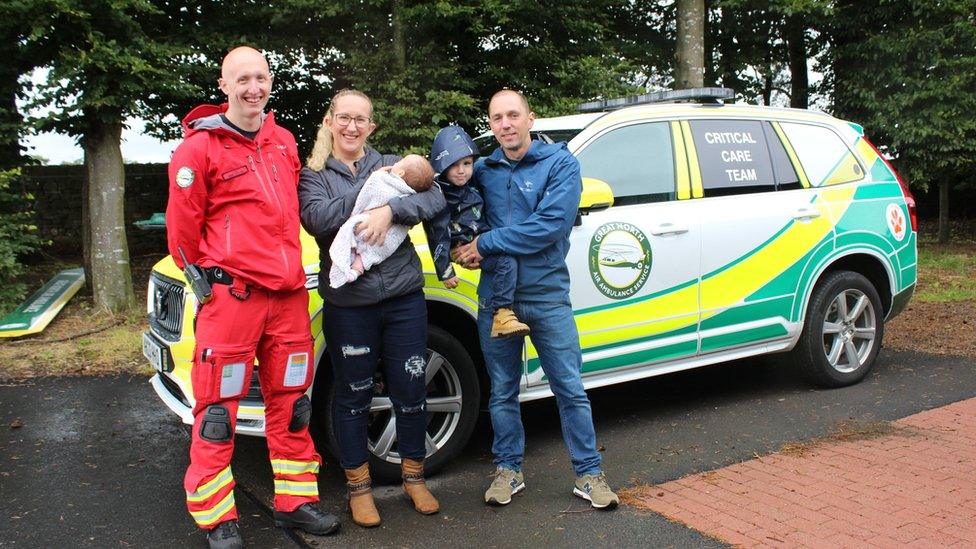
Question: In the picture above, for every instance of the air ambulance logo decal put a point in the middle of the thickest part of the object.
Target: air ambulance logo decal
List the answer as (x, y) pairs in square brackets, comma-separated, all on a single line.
[(897, 224), (619, 260)]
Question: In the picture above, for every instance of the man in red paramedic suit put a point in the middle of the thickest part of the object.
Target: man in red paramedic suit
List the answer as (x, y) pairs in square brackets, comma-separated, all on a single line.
[(233, 210)]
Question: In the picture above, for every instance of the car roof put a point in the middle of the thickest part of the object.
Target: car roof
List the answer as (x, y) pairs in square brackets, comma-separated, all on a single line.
[(579, 122)]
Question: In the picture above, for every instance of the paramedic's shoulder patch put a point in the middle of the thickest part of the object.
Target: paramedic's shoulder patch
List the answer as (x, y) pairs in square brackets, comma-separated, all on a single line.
[(185, 176)]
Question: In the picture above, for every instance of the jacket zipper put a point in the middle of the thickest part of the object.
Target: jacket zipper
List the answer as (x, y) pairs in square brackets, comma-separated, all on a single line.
[(281, 209)]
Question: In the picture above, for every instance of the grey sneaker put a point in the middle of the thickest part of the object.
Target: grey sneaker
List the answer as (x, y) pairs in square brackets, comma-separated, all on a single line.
[(506, 483), (594, 488)]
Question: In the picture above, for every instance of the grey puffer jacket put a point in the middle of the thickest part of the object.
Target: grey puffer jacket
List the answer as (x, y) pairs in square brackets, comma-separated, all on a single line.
[(327, 197)]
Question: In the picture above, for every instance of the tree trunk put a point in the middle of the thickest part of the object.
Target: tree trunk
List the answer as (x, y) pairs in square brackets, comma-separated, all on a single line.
[(689, 69), (11, 122), (711, 76), (110, 274), (399, 38), (799, 79), (943, 212)]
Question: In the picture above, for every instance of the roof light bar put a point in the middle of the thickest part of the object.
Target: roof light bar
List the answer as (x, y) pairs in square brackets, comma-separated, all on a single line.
[(700, 95)]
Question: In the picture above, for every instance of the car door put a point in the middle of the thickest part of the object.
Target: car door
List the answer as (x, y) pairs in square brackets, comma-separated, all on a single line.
[(634, 266), (760, 227)]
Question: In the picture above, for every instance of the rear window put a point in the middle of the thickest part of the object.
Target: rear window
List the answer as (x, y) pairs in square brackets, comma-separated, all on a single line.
[(824, 156)]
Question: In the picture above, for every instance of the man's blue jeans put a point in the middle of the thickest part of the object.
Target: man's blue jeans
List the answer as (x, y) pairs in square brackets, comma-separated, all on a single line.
[(555, 337)]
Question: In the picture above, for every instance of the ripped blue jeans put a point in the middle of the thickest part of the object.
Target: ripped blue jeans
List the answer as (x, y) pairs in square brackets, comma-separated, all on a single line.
[(392, 335)]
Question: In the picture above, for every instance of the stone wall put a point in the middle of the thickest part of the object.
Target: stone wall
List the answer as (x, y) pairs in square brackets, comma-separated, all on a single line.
[(58, 198)]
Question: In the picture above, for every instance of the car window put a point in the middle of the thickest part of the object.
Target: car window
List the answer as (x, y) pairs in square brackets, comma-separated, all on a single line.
[(637, 162), (487, 143), (824, 156), (734, 157), (783, 170)]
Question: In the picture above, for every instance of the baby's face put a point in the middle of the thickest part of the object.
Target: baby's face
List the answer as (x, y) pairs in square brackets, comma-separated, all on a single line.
[(459, 173)]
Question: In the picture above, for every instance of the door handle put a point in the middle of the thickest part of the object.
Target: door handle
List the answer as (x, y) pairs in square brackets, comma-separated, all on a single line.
[(668, 229), (805, 214)]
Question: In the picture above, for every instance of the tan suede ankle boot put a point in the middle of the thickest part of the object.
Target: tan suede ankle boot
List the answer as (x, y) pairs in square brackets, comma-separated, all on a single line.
[(361, 503), (415, 487)]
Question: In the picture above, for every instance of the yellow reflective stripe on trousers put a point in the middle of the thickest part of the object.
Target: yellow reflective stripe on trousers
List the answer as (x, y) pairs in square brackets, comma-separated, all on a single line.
[(212, 486), (208, 516), (296, 488), (289, 467)]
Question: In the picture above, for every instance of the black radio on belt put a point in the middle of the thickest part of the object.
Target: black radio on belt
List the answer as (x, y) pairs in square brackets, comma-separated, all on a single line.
[(197, 279)]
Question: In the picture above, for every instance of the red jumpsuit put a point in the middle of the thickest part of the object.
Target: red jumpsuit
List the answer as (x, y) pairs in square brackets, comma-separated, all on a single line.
[(233, 205)]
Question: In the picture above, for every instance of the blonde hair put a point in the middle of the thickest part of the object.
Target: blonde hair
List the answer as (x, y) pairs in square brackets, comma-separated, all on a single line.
[(322, 148)]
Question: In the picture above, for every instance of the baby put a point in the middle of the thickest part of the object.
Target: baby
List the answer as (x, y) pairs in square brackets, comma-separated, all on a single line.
[(351, 256), (452, 156)]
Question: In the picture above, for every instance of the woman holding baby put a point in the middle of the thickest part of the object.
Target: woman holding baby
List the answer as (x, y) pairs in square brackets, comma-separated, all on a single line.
[(377, 312)]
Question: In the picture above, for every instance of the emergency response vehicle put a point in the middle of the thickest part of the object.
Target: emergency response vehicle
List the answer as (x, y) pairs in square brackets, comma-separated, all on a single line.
[(707, 232)]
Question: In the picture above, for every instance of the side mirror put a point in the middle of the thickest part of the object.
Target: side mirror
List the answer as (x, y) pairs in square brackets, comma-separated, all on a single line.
[(596, 196)]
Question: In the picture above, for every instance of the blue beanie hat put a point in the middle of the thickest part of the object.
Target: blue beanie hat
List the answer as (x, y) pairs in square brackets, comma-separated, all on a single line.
[(451, 144)]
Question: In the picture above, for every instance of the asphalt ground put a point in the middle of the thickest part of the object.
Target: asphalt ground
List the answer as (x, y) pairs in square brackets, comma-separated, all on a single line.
[(98, 462)]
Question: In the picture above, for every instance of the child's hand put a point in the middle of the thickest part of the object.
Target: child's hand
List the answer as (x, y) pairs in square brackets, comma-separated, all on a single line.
[(451, 283)]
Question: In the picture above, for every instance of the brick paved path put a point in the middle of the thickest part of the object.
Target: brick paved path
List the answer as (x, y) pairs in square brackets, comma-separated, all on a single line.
[(912, 484)]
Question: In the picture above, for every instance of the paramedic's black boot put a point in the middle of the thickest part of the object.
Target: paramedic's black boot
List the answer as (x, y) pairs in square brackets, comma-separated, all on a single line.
[(225, 535), (309, 518)]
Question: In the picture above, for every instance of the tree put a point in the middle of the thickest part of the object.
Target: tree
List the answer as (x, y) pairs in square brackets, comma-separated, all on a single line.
[(689, 66), (906, 71), (110, 55), (25, 47), (764, 47)]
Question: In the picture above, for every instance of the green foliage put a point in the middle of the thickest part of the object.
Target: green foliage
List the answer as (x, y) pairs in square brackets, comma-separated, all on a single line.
[(18, 237), (906, 71), (108, 56)]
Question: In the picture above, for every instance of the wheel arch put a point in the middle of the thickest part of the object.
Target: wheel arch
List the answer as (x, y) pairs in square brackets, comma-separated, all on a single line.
[(462, 325), (869, 263)]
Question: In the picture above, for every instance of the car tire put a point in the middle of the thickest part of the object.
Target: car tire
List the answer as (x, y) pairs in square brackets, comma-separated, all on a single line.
[(453, 395), (844, 319)]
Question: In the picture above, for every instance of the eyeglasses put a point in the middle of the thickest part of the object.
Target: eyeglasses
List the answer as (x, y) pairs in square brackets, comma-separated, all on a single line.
[(344, 120)]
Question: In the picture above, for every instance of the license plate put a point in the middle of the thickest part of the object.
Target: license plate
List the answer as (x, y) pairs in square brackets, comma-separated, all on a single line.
[(153, 352)]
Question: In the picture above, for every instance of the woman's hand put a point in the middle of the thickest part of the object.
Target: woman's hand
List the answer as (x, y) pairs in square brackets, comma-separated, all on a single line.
[(451, 283), (378, 222)]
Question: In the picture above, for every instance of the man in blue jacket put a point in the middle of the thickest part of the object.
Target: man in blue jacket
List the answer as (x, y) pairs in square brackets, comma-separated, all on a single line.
[(532, 192)]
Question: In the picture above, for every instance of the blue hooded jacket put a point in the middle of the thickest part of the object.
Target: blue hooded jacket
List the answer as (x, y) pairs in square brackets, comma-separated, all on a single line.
[(531, 206)]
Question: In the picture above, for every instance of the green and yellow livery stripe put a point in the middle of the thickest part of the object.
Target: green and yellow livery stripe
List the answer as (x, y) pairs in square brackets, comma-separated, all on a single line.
[(697, 190), (681, 163)]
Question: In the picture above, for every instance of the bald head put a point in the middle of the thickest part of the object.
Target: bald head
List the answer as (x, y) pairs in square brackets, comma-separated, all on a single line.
[(246, 81), (241, 55)]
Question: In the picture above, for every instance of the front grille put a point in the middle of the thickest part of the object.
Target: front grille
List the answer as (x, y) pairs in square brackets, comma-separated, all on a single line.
[(253, 396), (166, 317), (174, 389)]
